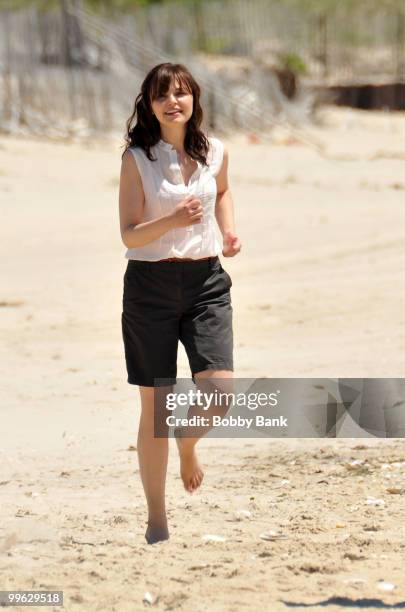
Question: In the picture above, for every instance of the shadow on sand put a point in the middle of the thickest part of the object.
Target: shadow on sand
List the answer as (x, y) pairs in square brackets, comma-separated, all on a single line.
[(347, 602)]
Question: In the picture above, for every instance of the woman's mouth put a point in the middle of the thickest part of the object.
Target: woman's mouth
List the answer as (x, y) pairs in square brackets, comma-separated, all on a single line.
[(172, 113)]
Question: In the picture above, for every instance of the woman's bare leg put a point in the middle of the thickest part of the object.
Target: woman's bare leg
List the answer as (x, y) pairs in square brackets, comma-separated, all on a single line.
[(190, 469), (152, 457)]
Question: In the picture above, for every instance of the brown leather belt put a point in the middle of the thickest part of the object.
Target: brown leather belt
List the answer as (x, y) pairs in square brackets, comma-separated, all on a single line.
[(183, 259)]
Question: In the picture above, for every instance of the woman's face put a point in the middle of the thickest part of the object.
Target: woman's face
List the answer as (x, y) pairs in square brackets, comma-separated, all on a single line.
[(175, 106)]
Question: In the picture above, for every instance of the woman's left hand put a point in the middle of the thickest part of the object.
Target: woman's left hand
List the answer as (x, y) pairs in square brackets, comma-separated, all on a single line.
[(231, 244)]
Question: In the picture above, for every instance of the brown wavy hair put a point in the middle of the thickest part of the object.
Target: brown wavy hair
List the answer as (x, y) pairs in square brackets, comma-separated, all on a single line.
[(143, 128)]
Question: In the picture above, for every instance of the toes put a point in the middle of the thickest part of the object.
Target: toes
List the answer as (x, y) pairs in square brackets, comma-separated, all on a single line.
[(194, 482)]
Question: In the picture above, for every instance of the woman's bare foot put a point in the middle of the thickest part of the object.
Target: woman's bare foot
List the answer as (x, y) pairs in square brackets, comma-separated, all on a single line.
[(156, 532), (190, 470)]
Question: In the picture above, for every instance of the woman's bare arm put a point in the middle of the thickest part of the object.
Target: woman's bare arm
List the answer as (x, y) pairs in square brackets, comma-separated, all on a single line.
[(224, 205), (131, 205), (224, 211)]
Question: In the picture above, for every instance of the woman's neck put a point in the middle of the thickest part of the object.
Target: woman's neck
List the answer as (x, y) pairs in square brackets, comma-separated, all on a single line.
[(174, 137)]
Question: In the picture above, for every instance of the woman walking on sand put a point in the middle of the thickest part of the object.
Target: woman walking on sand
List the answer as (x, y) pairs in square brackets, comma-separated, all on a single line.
[(173, 190)]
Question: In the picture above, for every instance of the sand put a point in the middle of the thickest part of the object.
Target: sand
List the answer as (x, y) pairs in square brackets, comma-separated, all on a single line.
[(318, 291)]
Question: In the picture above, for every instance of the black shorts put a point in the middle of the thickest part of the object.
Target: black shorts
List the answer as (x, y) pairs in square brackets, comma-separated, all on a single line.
[(164, 302)]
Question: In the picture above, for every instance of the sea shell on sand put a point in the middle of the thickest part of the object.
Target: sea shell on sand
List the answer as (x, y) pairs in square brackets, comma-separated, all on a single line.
[(242, 514), (149, 598), (396, 490), (386, 586), (272, 535), (373, 501), (208, 537), (355, 465)]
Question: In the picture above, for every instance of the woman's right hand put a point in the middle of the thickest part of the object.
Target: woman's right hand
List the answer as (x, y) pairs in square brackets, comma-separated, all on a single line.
[(187, 212)]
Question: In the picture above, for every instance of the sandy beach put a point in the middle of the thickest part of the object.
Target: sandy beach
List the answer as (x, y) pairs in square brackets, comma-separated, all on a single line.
[(318, 291)]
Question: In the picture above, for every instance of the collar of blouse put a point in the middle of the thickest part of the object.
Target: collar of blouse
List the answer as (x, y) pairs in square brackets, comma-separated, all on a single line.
[(166, 146)]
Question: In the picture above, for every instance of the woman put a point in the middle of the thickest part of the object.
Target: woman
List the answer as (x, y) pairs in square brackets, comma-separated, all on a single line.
[(173, 187)]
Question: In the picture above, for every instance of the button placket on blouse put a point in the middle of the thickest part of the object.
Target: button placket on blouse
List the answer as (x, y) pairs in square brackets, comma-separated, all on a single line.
[(175, 162), (191, 186)]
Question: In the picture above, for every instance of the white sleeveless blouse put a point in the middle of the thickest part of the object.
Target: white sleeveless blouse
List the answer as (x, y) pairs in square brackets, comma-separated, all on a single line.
[(164, 187)]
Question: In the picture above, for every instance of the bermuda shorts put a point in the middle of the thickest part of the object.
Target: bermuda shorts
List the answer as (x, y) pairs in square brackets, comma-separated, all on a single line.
[(164, 302)]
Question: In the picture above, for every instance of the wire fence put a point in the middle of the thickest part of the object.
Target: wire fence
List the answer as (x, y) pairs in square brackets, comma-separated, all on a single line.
[(73, 70), (361, 39)]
